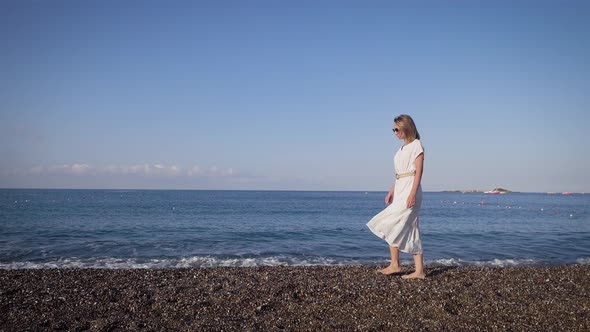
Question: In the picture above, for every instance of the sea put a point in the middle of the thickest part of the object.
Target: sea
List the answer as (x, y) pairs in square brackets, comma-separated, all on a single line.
[(148, 229)]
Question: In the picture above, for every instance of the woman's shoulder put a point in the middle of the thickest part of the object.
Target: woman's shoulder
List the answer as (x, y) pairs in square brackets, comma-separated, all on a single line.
[(413, 145), (418, 144)]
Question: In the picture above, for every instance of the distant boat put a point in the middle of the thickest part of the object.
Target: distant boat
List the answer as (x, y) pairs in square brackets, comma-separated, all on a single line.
[(567, 193)]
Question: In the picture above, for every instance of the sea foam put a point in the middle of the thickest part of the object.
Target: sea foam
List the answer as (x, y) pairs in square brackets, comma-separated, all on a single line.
[(213, 262)]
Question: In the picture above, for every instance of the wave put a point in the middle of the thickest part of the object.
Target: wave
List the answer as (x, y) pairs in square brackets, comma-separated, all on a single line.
[(184, 262), (212, 262), (490, 263)]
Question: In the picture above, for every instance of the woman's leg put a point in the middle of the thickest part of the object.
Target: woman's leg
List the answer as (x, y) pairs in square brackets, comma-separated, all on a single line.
[(394, 265), (419, 273)]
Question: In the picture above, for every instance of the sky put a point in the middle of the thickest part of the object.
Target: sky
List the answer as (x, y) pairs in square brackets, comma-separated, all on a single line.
[(293, 95)]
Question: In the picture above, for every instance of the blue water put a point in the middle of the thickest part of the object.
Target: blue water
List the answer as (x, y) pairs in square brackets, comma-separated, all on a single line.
[(168, 228)]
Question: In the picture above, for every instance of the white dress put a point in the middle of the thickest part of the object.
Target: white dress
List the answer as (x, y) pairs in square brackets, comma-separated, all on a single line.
[(397, 224)]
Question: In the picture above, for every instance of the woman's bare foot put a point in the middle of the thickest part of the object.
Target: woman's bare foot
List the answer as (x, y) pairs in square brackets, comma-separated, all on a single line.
[(414, 275), (390, 270)]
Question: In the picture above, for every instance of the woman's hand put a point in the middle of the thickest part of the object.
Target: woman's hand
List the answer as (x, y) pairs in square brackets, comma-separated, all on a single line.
[(389, 198), (411, 201)]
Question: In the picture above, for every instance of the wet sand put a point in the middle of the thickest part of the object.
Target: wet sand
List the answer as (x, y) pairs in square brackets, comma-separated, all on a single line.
[(351, 298)]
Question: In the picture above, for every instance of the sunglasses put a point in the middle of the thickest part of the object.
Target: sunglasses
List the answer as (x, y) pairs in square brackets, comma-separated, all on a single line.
[(395, 130)]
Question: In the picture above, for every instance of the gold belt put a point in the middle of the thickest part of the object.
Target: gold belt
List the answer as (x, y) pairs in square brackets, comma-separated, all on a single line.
[(403, 175)]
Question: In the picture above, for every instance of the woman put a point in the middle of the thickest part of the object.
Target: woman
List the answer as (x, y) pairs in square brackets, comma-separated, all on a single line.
[(398, 222)]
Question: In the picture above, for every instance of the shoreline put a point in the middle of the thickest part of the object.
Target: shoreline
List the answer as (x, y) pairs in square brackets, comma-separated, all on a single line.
[(350, 298)]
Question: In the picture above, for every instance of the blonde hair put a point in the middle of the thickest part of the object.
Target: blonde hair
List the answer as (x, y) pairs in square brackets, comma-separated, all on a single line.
[(407, 126)]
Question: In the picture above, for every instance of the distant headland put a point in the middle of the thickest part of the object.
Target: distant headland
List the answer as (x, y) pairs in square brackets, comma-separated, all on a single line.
[(493, 191), (506, 191)]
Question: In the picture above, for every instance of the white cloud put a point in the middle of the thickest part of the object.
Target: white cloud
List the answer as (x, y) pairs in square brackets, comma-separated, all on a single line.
[(36, 170), (73, 169), (79, 168), (194, 171), (148, 170), (221, 172)]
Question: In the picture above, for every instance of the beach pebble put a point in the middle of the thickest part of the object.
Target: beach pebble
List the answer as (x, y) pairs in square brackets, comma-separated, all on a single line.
[(346, 298)]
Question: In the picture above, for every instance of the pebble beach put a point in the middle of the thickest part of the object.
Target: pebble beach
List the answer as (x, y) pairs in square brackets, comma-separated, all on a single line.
[(315, 298)]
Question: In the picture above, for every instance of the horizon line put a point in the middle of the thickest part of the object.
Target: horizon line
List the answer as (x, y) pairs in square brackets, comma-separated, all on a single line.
[(470, 191)]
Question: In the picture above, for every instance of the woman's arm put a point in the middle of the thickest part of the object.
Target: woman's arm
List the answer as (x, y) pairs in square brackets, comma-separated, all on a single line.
[(417, 178), (389, 196)]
